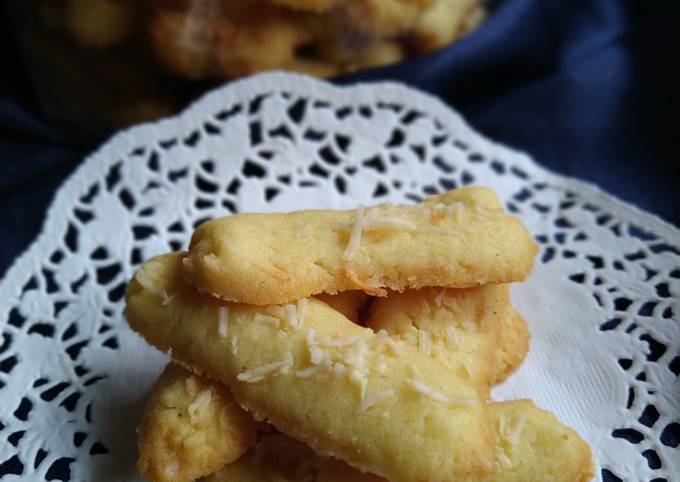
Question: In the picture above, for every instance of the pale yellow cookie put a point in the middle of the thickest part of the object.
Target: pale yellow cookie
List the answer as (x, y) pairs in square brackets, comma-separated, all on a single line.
[(458, 239), (377, 403), (190, 427), (531, 445), (474, 331), (441, 23)]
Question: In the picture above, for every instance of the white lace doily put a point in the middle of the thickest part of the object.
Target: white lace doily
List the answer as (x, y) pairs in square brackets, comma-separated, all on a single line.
[(602, 302)]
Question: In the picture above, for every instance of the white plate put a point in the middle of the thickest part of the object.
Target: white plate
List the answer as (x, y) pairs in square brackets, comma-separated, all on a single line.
[(602, 302)]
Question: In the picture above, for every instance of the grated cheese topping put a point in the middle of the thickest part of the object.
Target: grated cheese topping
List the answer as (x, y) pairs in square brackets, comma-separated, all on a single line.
[(308, 372), (292, 321), (199, 405), (420, 387), (258, 374), (439, 299), (452, 337), (340, 356), (375, 398), (145, 279), (375, 220), (266, 320), (222, 321), (424, 342), (302, 308), (513, 436), (233, 345), (167, 299), (503, 459), (355, 238), (383, 338), (211, 262)]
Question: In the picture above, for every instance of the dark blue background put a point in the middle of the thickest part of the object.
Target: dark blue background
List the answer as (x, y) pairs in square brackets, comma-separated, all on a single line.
[(587, 87)]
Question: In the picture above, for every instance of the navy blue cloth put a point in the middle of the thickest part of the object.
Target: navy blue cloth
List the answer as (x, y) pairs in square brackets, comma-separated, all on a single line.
[(585, 86)]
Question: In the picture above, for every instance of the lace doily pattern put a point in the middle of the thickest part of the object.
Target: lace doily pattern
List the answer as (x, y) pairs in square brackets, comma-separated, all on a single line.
[(602, 303)]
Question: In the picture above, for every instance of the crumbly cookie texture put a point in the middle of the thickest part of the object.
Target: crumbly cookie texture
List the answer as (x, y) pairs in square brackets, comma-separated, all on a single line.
[(458, 239), (379, 404), (465, 329), (190, 428)]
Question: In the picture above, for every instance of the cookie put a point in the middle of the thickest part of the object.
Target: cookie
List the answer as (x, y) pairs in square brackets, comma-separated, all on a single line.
[(458, 239), (531, 445), (442, 23), (190, 427), (379, 404), (474, 331)]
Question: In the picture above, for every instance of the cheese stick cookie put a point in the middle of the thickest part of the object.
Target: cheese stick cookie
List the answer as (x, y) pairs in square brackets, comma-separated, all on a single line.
[(190, 427), (349, 303), (465, 329), (378, 404), (531, 445), (458, 239)]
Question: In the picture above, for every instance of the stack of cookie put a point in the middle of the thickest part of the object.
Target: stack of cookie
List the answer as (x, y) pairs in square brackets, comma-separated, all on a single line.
[(346, 346), (223, 39)]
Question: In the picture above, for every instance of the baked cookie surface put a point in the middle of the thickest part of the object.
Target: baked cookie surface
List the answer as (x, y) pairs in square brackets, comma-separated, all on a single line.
[(458, 239), (473, 331)]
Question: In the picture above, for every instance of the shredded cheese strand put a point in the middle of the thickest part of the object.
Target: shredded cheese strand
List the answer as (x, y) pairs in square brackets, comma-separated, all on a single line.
[(513, 436), (302, 308), (266, 320), (424, 342), (375, 398), (222, 321), (307, 372), (439, 299), (438, 396), (258, 373), (199, 404), (292, 320), (355, 238)]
